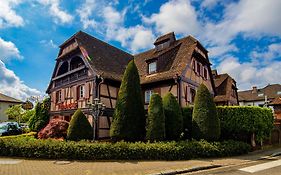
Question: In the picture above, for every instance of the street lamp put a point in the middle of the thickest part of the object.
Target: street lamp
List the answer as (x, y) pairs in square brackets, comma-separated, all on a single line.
[(97, 110)]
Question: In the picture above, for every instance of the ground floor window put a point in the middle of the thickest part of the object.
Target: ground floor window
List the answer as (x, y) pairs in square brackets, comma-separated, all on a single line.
[(148, 94)]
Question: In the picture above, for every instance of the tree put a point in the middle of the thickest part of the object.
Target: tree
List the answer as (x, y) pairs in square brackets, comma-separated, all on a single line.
[(173, 117), (56, 128), (156, 119), (27, 115), (129, 117), (79, 127), (41, 117), (205, 121), (15, 113)]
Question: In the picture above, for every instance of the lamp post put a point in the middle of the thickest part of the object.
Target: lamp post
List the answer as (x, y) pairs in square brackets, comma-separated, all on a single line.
[(97, 110)]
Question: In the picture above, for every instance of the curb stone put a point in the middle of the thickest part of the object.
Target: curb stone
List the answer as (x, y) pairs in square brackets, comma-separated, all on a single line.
[(187, 170)]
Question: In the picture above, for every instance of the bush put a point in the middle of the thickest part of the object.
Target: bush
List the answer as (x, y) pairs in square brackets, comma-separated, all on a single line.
[(246, 120), (156, 119), (79, 127), (187, 122), (54, 149), (129, 117), (205, 121), (41, 117), (173, 117), (57, 128), (30, 134)]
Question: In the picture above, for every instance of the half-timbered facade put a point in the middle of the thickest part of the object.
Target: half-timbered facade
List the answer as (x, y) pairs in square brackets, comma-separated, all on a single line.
[(178, 66), (88, 68)]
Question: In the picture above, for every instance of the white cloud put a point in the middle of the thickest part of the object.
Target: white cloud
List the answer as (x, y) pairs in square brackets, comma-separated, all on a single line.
[(85, 11), (49, 43), (8, 16), (11, 85), (273, 51), (246, 17), (248, 74), (217, 51), (59, 15), (209, 3), (176, 15), (8, 50)]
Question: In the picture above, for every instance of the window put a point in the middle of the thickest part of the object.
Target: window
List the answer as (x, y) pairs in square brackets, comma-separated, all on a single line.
[(260, 95), (205, 73), (163, 45), (278, 92), (59, 96), (148, 94), (193, 65), (192, 93), (81, 91), (198, 68), (152, 67)]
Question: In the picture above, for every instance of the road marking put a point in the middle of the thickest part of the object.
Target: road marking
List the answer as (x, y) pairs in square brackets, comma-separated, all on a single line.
[(260, 167), (9, 162)]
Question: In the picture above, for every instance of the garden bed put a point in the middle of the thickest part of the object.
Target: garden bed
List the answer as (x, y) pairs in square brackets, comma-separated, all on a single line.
[(30, 147)]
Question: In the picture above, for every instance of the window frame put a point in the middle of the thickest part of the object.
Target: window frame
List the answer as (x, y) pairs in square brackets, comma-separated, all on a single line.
[(149, 68), (146, 98), (81, 91)]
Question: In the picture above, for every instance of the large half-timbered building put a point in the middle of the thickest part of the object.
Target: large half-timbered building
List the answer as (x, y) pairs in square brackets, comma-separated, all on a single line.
[(88, 68)]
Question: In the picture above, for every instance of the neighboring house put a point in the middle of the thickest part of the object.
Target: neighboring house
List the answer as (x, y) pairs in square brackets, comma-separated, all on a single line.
[(88, 68), (5, 103), (178, 66), (276, 104), (226, 90), (259, 97)]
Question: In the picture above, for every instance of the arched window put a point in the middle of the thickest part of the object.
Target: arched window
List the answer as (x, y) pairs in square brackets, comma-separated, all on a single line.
[(76, 62), (63, 68)]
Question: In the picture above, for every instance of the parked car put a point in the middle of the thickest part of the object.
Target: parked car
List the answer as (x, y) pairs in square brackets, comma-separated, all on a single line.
[(10, 128)]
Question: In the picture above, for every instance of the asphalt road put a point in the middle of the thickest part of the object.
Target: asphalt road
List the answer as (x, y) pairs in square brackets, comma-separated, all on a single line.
[(259, 167)]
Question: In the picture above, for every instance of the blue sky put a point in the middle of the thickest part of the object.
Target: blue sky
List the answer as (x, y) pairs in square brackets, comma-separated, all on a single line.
[(243, 36)]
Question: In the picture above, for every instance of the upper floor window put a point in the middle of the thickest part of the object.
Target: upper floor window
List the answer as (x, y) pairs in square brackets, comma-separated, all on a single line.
[(192, 93), (205, 73), (152, 67), (147, 95), (59, 96), (278, 92), (63, 68), (198, 68), (163, 45), (81, 91), (260, 94)]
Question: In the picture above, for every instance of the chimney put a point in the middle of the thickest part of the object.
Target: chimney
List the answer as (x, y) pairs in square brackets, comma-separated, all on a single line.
[(254, 90), (214, 73)]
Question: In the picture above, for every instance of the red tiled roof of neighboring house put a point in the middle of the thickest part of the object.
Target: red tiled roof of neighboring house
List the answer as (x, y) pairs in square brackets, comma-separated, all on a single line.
[(271, 91), (276, 101), (5, 98)]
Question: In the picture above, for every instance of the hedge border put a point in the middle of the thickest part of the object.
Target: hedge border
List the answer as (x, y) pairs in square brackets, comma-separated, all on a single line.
[(184, 150)]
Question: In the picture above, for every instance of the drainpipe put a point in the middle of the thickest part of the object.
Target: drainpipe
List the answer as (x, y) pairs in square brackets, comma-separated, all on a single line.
[(177, 79)]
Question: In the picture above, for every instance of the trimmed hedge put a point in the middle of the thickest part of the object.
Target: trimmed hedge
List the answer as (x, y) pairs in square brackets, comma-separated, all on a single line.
[(129, 116), (246, 120), (155, 119), (173, 117), (205, 121), (187, 121), (54, 149)]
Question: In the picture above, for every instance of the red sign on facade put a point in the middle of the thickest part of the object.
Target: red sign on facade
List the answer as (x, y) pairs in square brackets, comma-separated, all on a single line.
[(68, 106)]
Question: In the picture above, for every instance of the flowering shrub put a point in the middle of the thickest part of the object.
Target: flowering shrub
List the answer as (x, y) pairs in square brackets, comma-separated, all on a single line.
[(56, 128)]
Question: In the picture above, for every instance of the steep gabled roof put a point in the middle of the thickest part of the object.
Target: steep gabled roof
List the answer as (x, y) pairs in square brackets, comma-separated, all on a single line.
[(175, 59), (270, 91), (5, 98)]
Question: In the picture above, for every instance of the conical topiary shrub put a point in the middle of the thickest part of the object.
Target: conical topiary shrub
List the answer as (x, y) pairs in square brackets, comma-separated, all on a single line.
[(129, 117), (205, 121), (156, 119), (79, 127), (173, 117)]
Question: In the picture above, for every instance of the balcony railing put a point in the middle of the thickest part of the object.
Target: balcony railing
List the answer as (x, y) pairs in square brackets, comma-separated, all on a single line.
[(70, 78)]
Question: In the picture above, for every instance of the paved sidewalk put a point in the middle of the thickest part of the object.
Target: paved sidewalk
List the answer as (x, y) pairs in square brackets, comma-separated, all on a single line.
[(19, 166)]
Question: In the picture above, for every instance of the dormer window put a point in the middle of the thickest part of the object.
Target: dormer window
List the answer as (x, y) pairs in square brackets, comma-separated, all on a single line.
[(163, 45), (152, 67)]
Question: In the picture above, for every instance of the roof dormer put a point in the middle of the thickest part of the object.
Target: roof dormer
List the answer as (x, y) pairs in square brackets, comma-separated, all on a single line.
[(164, 41)]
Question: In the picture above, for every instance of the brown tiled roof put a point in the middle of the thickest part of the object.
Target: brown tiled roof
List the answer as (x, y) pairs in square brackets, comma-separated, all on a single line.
[(223, 82), (5, 98), (165, 37), (106, 60), (276, 101), (270, 91), (173, 60)]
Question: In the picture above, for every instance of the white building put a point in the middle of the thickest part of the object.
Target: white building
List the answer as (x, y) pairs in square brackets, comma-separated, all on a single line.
[(5, 103)]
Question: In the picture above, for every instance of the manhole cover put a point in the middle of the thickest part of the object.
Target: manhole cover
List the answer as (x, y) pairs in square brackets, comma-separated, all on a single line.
[(9, 162), (62, 162)]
